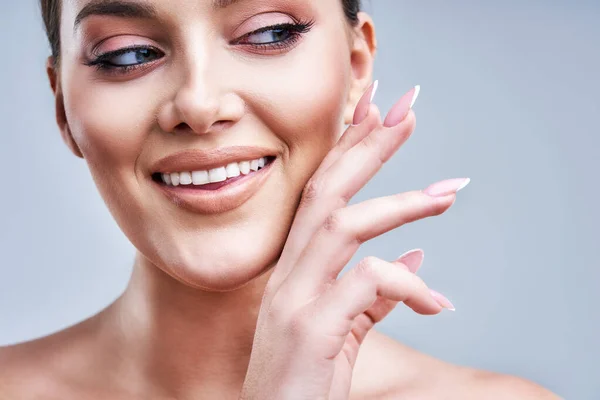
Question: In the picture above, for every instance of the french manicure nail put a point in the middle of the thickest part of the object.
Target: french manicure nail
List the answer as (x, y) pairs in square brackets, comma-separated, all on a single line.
[(362, 108), (401, 108), (442, 300), (447, 187), (412, 259)]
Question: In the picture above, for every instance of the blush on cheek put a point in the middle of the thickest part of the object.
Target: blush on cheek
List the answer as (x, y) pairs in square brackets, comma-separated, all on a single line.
[(110, 125), (310, 101)]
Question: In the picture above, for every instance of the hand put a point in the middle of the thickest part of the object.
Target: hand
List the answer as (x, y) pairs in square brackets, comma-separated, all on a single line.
[(311, 325)]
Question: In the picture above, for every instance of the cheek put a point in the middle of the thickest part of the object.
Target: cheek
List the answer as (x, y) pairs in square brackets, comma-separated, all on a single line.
[(109, 125), (301, 98)]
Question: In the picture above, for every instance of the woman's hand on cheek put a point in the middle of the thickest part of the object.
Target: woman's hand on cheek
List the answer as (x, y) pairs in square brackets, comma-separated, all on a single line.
[(311, 325)]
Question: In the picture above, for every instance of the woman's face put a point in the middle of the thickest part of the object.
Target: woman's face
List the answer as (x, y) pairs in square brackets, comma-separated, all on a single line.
[(202, 92)]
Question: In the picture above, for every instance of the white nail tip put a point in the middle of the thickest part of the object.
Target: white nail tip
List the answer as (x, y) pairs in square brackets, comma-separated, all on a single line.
[(375, 86), (410, 252), (417, 91), (465, 183)]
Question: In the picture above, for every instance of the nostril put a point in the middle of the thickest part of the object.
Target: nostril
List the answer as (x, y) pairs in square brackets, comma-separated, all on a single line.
[(182, 126)]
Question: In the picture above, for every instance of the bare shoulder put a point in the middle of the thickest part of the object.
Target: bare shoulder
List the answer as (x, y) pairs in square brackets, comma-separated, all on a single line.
[(386, 370), (42, 368), (498, 386), (26, 370)]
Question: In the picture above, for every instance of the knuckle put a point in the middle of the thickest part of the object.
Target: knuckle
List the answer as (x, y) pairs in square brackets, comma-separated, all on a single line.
[(422, 205), (369, 268), (311, 192), (334, 223), (417, 284), (371, 144), (437, 207), (433, 205)]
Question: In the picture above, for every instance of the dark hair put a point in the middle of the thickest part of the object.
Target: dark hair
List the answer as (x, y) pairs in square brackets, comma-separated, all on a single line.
[(51, 16)]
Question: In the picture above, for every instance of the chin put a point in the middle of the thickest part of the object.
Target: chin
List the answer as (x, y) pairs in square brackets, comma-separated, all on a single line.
[(218, 260), (218, 271)]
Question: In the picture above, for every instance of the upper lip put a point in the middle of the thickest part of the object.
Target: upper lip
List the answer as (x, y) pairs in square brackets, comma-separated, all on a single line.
[(200, 160)]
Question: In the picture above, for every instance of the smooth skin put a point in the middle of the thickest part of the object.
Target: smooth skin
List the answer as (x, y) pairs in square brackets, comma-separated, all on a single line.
[(243, 304)]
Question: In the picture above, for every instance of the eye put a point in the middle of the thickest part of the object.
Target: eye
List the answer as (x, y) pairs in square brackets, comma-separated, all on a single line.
[(135, 56), (271, 35), (126, 59), (280, 36)]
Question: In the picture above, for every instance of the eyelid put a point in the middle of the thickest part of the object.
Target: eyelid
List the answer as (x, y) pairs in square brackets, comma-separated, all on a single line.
[(115, 43), (260, 21)]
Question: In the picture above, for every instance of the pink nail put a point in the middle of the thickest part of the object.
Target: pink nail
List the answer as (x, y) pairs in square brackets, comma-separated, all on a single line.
[(447, 187), (362, 108), (442, 300), (412, 259), (401, 108)]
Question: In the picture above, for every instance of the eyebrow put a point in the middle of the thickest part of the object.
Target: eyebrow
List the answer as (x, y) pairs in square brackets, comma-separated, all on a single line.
[(130, 9)]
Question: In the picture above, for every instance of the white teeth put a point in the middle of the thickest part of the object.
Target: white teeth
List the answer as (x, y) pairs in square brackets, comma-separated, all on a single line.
[(220, 174), (185, 178), (217, 175), (200, 177), (232, 170), (175, 178), (245, 167)]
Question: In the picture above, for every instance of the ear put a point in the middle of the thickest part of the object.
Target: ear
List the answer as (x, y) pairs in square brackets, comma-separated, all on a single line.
[(59, 104), (362, 54)]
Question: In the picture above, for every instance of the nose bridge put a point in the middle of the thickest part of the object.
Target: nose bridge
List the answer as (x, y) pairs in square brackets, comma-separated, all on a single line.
[(198, 93), (197, 86)]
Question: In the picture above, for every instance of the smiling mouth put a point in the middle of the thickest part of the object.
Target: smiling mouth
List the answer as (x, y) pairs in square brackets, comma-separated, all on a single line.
[(212, 179)]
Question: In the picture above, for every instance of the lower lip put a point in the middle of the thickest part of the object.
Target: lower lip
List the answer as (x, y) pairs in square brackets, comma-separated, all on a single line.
[(217, 197)]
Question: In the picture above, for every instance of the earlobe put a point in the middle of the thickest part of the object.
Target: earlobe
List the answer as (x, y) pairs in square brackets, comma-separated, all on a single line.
[(362, 55), (59, 104)]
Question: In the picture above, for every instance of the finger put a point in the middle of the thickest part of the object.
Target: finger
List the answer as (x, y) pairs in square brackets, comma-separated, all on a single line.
[(332, 189), (340, 182), (358, 290), (362, 108), (346, 229), (378, 146), (366, 118), (352, 136), (412, 260), (307, 220)]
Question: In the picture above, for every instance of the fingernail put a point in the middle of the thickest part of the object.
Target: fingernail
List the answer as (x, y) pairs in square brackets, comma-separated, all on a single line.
[(412, 259), (362, 108), (447, 187), (401, 108), (442, 300)]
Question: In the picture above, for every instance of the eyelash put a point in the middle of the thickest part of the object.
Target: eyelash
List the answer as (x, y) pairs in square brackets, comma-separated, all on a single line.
[(295, 30)]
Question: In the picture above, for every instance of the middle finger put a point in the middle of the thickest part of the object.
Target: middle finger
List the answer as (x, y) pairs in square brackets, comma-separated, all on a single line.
[(339, 238)]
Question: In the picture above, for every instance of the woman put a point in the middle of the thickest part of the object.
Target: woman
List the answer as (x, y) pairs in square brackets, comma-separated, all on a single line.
[(212, 130)]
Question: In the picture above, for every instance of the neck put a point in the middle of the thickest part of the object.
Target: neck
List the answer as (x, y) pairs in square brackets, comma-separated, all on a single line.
[(182, 339)]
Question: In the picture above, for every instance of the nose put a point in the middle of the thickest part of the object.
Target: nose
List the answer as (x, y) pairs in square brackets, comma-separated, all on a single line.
[(202, 101)]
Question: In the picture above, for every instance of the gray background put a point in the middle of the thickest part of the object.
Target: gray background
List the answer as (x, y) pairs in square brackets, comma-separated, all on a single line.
[(509, 97)]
